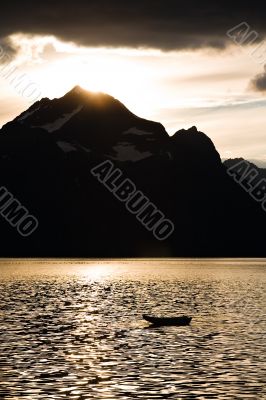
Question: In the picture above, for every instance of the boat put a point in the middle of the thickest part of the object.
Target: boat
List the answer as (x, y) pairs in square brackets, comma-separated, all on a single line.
[(161, 321)]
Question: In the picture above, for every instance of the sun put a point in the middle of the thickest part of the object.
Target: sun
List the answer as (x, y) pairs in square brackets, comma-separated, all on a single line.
[(124, 79)]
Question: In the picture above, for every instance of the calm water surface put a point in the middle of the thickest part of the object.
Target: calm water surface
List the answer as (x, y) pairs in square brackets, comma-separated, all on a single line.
[(74, 329)]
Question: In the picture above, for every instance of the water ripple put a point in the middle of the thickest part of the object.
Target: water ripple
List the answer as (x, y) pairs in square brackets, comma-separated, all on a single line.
[(81, 335)]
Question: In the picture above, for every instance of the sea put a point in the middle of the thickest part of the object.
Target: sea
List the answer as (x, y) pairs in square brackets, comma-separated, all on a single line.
[(73, 329)]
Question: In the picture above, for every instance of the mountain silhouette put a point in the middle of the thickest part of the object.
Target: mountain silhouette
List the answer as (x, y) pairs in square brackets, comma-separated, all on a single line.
[(46, 157), (261, 172), (95, 122)]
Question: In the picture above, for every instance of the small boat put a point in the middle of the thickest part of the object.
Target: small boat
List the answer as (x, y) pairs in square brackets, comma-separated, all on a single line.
[(161, 321)]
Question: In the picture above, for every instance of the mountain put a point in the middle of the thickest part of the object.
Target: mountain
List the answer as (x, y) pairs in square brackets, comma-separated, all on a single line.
[(96, 122), (259, 163), (46, 157), (261, 172)]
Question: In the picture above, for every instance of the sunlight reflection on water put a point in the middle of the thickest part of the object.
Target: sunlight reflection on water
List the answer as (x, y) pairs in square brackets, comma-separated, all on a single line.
[(74, 329)]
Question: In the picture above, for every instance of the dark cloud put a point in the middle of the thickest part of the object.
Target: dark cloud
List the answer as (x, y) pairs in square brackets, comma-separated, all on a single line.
[(259, 82), (168, 24)]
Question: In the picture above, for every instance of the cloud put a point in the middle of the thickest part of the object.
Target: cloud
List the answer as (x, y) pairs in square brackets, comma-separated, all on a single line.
[(167, 25), (7, 51), (259, 81)]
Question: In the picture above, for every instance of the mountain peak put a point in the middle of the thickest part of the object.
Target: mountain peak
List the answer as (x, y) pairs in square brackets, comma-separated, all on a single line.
[(193, 129), (95, 101), (196, 146), (77, 89), (86, 96), (94, 120), (53, 114), (80, 91)]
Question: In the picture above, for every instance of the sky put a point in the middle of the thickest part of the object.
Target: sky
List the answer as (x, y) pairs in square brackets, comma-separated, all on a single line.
[(179, 63)]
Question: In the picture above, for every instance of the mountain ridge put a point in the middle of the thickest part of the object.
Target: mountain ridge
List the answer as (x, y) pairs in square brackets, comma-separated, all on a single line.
[(47, 153)]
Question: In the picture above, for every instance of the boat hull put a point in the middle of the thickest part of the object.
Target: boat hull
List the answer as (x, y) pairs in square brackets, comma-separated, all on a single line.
[(162, 321)]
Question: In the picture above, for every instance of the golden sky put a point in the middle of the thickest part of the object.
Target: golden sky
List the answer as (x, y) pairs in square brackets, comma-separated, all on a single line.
[(208, 88)]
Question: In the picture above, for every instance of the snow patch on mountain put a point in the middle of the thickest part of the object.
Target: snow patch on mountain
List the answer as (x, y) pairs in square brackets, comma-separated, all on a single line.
[(136, 131), (127, 152), (26, 114), (58, 123), (83, 148), (66, 147)]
